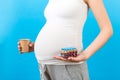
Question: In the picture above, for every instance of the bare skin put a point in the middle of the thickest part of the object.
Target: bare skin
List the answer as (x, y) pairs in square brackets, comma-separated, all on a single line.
[(106, 32)]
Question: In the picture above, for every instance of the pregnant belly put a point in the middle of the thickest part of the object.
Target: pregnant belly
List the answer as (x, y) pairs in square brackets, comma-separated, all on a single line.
[(51, 39)]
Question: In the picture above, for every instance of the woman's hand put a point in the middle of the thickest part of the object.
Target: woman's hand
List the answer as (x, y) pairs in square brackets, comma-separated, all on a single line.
[(79, 58), (31, 47)]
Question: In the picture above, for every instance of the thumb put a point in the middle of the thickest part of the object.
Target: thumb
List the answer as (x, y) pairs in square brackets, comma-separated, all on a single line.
[(31, 44)]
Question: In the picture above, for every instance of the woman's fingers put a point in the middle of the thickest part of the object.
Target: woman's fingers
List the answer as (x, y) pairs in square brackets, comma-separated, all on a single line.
[(71, 59), (66, 59), (19, 47), (18, 43), (78, 58), (60, 58), (75, 59)]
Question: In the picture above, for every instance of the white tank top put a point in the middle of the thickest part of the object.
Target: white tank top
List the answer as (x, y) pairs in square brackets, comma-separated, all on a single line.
[(63, 28)]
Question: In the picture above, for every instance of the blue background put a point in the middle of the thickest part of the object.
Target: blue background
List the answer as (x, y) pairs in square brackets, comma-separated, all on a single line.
[(24, 19)]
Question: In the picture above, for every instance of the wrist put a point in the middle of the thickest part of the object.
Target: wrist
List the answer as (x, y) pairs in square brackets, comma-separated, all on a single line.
[(84, 55)]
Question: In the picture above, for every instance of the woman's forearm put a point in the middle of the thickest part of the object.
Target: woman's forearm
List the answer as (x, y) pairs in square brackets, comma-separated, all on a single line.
[(105, 25), (99, 41)]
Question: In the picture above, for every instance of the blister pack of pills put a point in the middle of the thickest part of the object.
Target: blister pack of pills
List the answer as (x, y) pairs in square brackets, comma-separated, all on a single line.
[(68, 52)]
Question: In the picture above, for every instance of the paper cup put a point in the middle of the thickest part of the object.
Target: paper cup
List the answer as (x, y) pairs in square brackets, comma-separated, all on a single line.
[(24, 43)]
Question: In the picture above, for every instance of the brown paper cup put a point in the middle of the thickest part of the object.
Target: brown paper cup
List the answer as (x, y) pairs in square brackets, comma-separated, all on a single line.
[(24, 43)]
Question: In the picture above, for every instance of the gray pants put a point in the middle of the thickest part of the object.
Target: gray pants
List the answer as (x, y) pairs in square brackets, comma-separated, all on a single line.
[(64, 72)]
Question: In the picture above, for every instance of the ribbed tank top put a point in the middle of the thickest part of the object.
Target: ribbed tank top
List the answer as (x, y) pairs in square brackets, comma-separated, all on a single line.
[(63, 28)]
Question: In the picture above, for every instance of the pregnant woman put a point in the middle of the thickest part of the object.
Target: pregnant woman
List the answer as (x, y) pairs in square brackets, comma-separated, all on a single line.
[(65, 20)]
